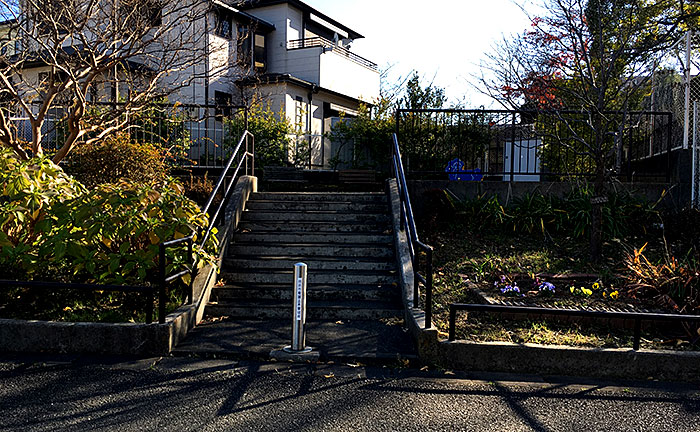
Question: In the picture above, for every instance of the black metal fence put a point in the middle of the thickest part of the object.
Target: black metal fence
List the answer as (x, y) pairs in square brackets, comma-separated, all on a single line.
[(637, 317), (508, 145), (195, 135)]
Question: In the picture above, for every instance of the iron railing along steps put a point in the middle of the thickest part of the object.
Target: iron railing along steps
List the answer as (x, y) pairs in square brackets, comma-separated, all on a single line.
[(344, 238)]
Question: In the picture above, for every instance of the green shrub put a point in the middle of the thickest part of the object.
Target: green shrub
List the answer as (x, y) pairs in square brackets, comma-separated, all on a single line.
[(115, 158), (272, 135), (53, 228)]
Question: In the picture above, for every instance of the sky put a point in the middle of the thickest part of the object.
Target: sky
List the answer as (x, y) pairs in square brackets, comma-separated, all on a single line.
[(444, 40)]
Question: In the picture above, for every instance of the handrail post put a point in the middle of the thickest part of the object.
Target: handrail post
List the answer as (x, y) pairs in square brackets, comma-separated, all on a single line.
[(149, 306), (429, 288), (252, 155), (193, 270), (161, 288), (637, 333), (453, 319)]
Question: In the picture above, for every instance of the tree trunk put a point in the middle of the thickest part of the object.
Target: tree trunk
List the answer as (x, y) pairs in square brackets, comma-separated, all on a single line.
[(597, 201)]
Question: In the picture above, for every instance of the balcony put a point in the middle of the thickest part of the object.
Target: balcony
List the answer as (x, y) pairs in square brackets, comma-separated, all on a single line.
[(329, 45), (330, 66)]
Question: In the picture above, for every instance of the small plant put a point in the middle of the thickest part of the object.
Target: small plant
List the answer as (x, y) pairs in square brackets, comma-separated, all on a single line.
[(511, 291), (507, 287), (672, 282), (546, 289), (581, 291)]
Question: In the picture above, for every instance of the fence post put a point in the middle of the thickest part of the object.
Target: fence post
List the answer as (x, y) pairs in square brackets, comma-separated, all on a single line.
[(193, 270), (668, 147), (161, 288), (512, 146)]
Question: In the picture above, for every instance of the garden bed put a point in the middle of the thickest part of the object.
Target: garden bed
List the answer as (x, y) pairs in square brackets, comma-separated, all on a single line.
[(485, 264)]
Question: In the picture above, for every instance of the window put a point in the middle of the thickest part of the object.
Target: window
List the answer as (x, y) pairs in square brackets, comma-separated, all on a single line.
[(223, 102), (59, 15), (299, 113), (224, 25), (244, 46), (141, 14), (260, 53)]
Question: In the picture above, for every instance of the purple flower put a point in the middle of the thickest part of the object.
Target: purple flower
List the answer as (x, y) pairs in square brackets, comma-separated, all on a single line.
[(503, 279)]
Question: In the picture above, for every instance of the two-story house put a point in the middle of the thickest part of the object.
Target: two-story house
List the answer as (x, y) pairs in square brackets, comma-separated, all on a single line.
[(298, 60)]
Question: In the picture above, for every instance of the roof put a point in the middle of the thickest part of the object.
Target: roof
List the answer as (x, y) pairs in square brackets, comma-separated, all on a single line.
[(252, 4), (276, 78), (244, 16)]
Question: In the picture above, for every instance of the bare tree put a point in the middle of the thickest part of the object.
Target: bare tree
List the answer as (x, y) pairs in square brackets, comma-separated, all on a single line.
[(68, 56), (592, 56)]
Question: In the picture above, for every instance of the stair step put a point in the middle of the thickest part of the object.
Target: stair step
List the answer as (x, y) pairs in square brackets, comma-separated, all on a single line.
[(314, 277), (376, 197), (301, 237), (314, 226), (279, 205), (320, 216), (354, 309), (312, 250), (327, 292), (282, 263)]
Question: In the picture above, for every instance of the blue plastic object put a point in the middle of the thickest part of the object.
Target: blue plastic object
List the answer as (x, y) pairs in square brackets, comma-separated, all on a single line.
[(456, 171)]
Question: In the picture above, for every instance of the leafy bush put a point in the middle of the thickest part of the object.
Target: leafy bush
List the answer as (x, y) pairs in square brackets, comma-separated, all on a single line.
[(30, 189), (115, 158), (272, 135), (52, 227), (371, 136)]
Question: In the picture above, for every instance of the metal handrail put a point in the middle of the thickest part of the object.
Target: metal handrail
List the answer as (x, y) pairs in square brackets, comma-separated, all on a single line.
[(322, 42), (409, 225), (638, 317), (248, 139)]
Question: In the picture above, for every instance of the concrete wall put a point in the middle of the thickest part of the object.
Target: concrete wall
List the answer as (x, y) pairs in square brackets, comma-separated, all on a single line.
[(507, 192)]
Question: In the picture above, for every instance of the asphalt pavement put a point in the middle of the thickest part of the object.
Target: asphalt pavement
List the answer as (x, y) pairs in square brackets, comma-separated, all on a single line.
[(50, 393)]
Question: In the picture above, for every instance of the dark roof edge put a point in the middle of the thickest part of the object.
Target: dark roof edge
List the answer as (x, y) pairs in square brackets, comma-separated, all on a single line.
[(252, 4), (261, 23), (276, 78)]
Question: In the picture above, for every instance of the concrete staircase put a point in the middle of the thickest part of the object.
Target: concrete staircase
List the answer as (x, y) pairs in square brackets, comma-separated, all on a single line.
[(344, 238)]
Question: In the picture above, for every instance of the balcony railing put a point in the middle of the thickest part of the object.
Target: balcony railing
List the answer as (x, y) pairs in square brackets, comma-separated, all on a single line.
[(327, 44)]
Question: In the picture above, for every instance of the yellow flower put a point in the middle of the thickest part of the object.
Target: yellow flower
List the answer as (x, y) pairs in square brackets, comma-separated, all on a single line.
[(595, 286), (586, 291), (605, 294), (572, 289), (614, 295), (67, 309)]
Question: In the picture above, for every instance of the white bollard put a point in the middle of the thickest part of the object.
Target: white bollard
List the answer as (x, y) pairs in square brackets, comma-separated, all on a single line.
[(299, 311)]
